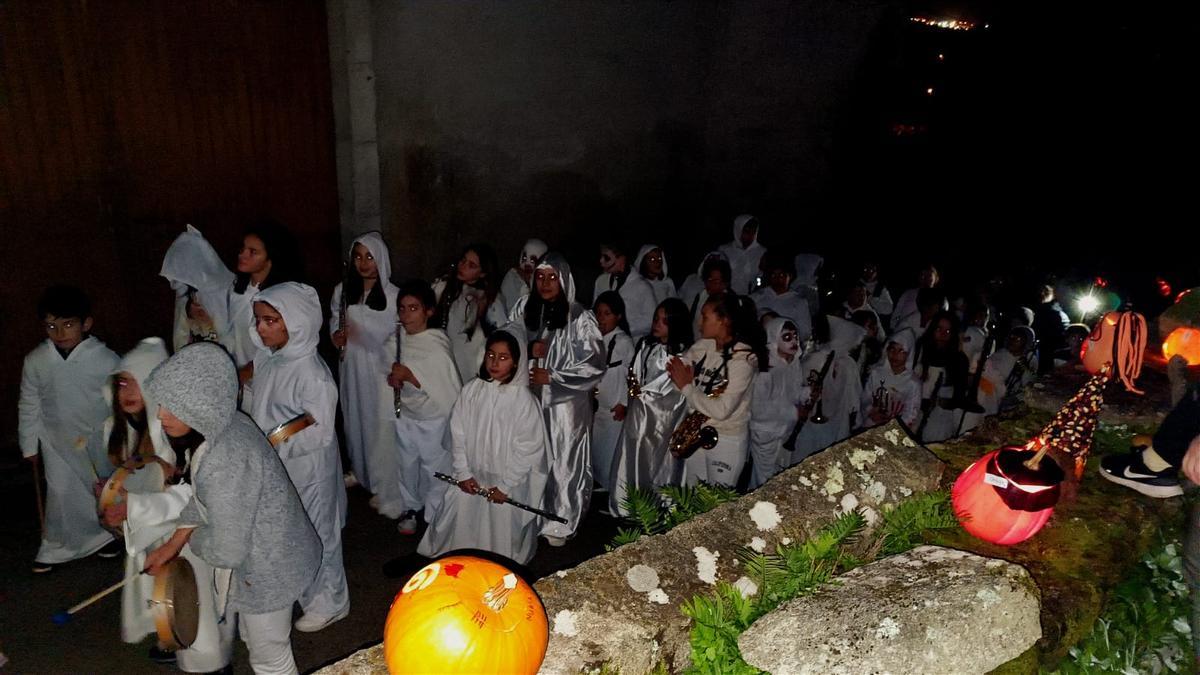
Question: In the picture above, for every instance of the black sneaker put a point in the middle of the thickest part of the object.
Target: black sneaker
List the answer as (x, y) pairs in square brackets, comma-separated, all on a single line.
[(159, 655), (1129, 470), (112, 549)]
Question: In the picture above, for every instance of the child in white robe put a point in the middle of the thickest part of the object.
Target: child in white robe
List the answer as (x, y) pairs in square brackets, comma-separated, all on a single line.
[(612, 394), (60, 414), (428, 382), (367, 348), (498, 444), (291, 379), (777, 393)]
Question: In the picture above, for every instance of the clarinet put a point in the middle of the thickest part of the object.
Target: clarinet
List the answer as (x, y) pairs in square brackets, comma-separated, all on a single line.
[(342, 315), (789, 444), (929, 404), (396, 390)]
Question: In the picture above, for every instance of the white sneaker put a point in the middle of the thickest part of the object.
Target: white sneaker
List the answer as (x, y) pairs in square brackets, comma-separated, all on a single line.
[(555, 541), (407, 524), (311, 624), (349, 479)]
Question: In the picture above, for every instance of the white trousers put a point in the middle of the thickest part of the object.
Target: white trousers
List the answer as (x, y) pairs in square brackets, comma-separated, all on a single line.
[(766, 448), (721, 465), (422, 452), (269, 639)]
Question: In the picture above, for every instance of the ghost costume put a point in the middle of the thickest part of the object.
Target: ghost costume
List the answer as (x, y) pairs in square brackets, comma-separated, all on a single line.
[(789, 305), (891, 392), (246, 519), (942, 423), (777, 392), (637, 292), (692, 286), (663, 288), (808, 267), (721, 388), (192, 261), (61, 413), (841, 390), (366, 399), (465, 327), (514, 287), (420, 427), (496, 437), (575, 359), (289, 382), (151, 518), (743, 261), (642, 459), (1006, 374), (611, 392)]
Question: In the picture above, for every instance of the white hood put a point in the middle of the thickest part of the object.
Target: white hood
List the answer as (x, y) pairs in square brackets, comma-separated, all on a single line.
[(845, 335), (739, 224), (300, 308), (373, 241), (643, 252)]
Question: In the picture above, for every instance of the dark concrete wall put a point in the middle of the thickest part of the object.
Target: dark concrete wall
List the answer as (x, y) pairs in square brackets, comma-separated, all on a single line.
[(663, 120)]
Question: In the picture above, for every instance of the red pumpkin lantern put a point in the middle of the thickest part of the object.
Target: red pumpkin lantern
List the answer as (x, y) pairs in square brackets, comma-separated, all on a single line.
[(463, 614), (1001, 499), (1183, 341)]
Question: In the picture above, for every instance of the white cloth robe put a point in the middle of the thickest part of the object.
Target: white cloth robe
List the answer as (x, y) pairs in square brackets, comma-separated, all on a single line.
[(743, 261), (639, 297), (192, 261), (902, 387), (842, 389), (575, 359), (641, 458), (512, 289), (421, 426), (468, 349), (287, 383), (496, 438), (789, 305), (879, 298), (612, 391), (151, 520), (61, 414), (663, 288), (241, 323), (367, 402), (775, 396)]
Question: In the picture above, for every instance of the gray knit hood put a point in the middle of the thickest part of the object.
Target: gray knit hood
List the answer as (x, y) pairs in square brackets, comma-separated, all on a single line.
[(199, 386)]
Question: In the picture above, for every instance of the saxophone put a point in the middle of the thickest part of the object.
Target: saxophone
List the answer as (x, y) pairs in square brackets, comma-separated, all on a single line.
[(631, 382), (693, 433)]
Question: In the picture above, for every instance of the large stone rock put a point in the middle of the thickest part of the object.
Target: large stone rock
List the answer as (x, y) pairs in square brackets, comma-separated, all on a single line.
[(597, 616), (929, 610)]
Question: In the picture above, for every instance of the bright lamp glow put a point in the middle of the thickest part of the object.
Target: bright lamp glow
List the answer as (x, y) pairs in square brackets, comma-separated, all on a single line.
[(1088, 304)]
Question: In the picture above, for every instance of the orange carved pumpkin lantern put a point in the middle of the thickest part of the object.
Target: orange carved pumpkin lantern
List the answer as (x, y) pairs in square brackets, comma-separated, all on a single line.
[(1001, 500), (463, 614), (1183, 341)]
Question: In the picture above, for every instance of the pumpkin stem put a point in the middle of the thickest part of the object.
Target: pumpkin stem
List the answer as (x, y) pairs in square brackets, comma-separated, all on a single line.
[(496, 597)]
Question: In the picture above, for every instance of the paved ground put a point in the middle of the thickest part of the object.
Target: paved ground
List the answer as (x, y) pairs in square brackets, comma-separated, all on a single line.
[(91, 642)]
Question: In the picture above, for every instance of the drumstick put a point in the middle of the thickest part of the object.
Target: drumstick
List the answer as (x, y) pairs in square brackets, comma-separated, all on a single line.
[(65, 616)]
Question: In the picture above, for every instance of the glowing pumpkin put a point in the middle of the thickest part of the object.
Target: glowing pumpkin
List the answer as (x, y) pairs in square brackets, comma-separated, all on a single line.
[(1183, 341), (1000, 500), (463, 614)]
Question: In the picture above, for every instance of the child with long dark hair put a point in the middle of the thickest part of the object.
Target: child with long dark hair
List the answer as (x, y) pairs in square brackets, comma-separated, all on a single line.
[(656, 407), (611, 394), (467, 307), (497, 444), (716, 376)]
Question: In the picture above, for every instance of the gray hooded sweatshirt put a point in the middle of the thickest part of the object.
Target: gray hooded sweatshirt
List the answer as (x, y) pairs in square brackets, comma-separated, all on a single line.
[(245, 511)]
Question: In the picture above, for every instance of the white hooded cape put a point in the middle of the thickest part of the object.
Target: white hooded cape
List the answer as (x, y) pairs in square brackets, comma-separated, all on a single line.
[(743, 261), (192, 261), (365, 397), (841, 391), (496, 438), (287, 383), (61, 414)]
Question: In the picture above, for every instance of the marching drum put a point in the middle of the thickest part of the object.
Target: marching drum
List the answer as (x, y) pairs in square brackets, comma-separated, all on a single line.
[(145, 476), (176, 605), (290, 428)]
